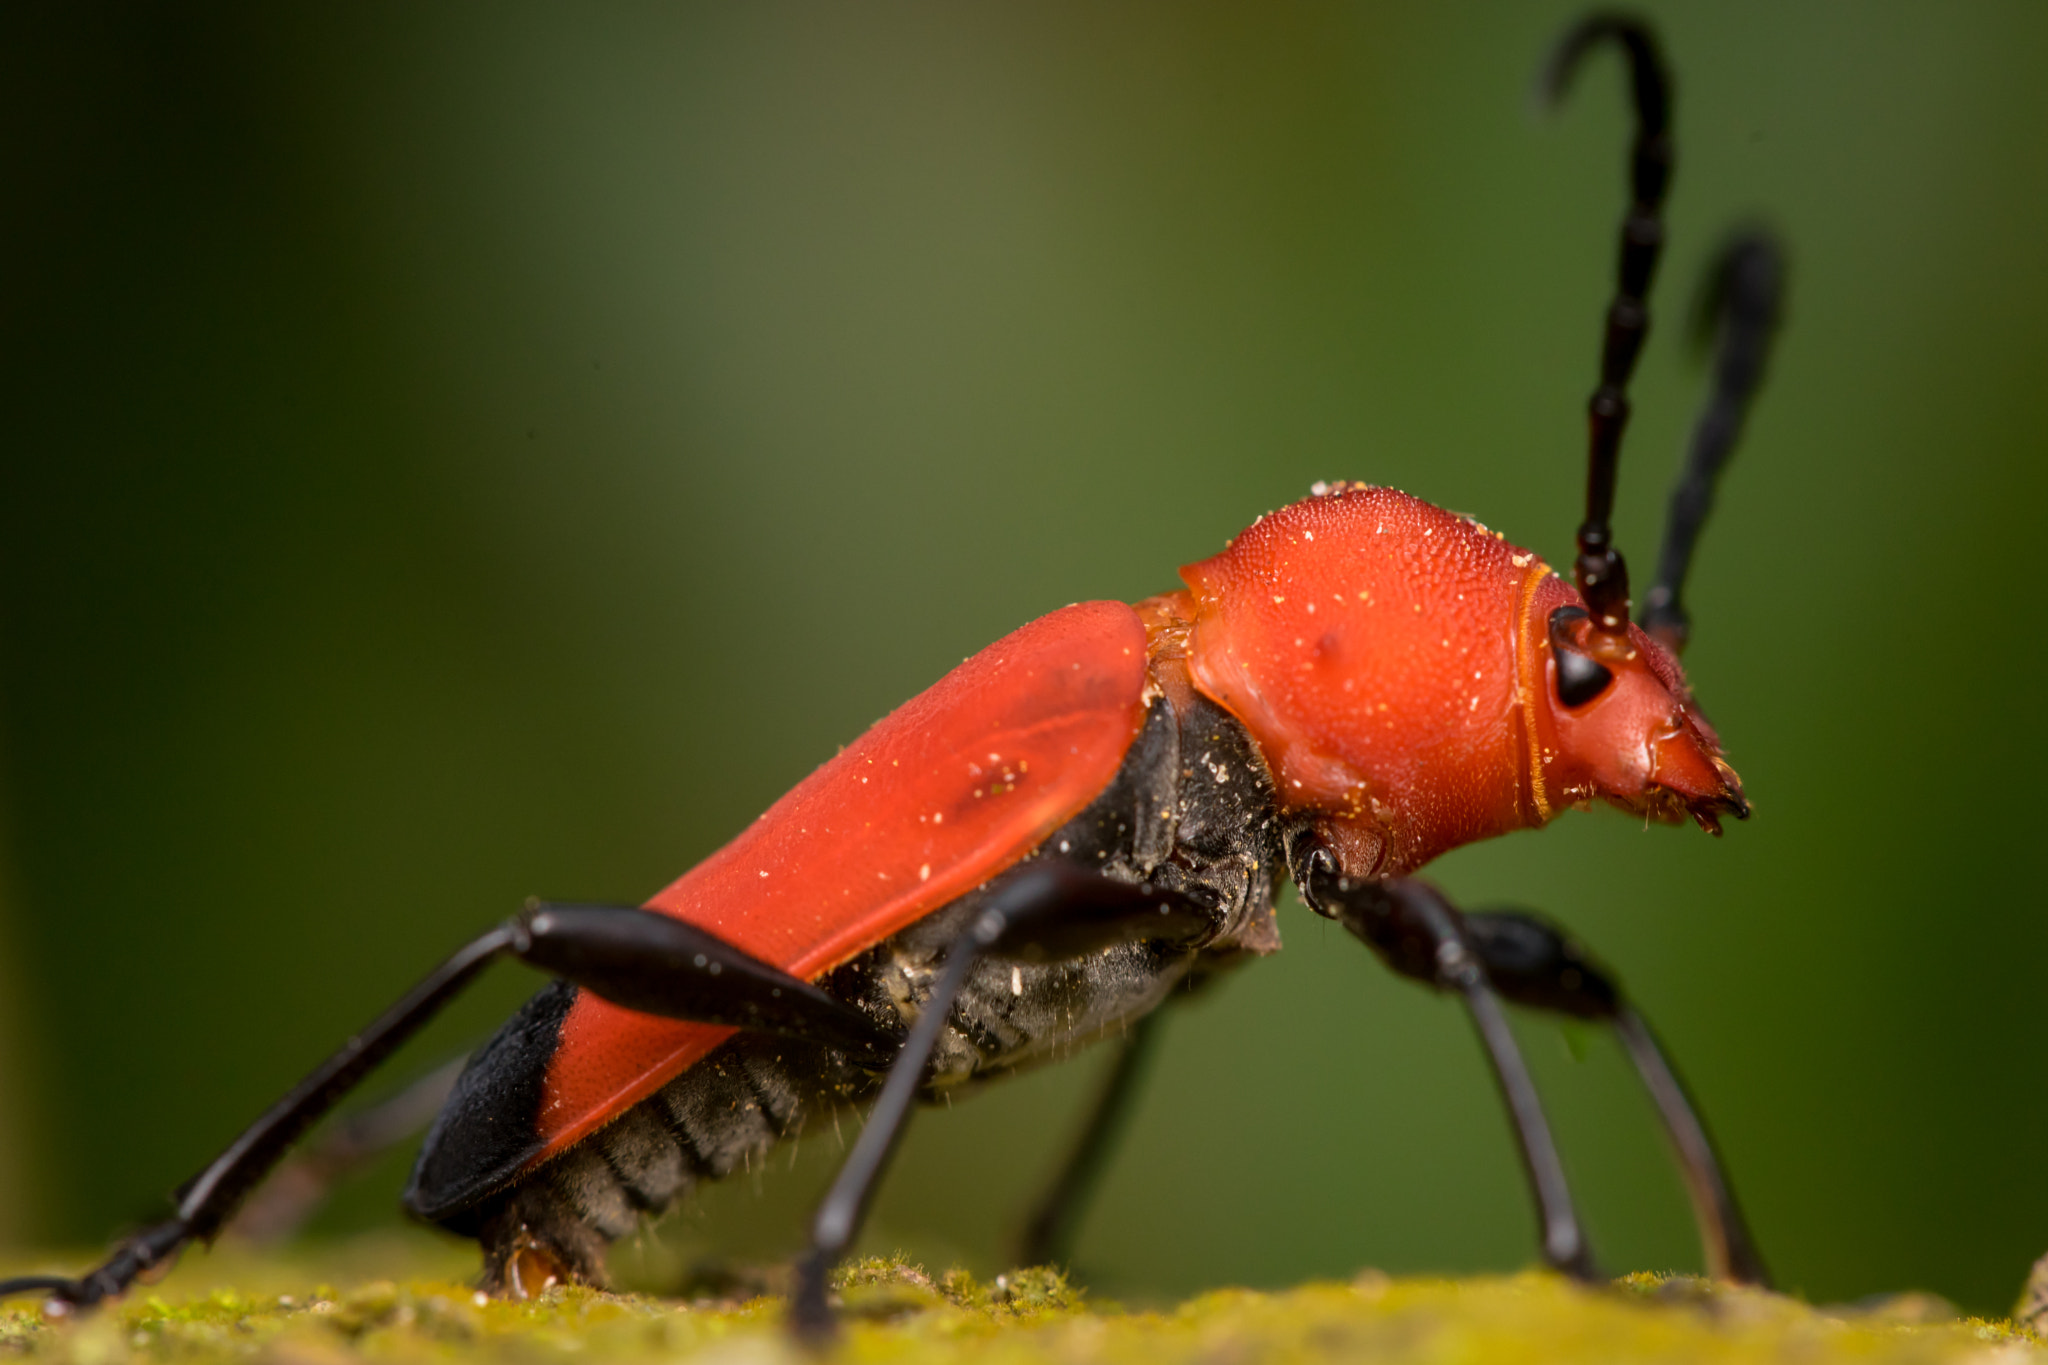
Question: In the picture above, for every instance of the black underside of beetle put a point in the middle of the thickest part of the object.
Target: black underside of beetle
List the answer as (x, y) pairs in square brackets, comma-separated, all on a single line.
[(1190, 810)]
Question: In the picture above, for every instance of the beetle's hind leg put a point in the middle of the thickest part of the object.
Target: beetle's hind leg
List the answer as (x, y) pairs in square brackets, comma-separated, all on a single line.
[(1534, 963), (296, 1190), (631, 956)]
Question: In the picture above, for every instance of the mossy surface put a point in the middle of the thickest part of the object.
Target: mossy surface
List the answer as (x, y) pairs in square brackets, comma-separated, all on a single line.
[(323, 1310)]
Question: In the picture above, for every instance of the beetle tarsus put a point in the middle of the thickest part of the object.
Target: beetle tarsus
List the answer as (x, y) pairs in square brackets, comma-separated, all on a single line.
[(811, 1319)]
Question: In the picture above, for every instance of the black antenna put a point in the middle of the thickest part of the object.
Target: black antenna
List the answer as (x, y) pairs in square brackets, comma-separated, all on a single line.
[(1601, 572), (1740, 306)]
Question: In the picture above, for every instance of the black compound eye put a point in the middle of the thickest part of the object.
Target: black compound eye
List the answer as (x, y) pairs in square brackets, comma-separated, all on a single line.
[(1580, 677)]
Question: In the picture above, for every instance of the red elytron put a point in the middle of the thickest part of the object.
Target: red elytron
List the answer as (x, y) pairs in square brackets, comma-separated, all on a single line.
[(1082, 818), (951, 788)]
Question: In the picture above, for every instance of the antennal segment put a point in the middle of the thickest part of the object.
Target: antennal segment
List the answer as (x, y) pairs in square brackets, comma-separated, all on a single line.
[(1740, 306), (1601, 572)]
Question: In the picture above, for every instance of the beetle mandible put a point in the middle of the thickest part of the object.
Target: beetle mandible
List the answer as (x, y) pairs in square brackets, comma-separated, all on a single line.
[(1090, 813)]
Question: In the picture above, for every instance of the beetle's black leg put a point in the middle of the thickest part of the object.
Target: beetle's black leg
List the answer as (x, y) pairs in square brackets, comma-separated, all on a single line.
[(636, 958), (1418, 933), (1049, 1235), (1535, 964), (1042, 911), (205, 1201), (289, 1195)]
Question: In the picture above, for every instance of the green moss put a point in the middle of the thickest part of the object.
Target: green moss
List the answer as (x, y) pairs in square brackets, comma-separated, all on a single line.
[(288, 1312)]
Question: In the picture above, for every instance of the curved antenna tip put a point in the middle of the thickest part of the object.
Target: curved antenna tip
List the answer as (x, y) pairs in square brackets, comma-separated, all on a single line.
[(1635, 37), (1745, 282)]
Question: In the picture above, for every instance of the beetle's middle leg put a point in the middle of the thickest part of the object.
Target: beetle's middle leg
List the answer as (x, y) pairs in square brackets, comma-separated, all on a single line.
[(1039, 912)]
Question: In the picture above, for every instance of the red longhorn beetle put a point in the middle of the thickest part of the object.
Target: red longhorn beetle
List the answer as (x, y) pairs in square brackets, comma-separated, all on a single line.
[(1084, 817)]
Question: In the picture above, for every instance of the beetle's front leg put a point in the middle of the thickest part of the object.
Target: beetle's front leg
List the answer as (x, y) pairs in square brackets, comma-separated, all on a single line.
[(1040, 912), (1535, 964), (1419, 934)]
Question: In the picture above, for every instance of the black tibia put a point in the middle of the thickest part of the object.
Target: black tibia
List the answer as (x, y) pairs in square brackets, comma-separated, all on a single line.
[(1533, 963), (1602, 574), (1740, 308), (1048, 1236), (1042, 910), (301, 1183), (1417, 933), (655, 964)]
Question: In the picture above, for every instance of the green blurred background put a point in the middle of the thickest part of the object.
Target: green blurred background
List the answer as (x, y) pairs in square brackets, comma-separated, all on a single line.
[(453, 454)]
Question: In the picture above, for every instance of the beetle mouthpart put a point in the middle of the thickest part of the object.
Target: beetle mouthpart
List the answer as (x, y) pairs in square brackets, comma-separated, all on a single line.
[(1697, 780), (1731, 790)]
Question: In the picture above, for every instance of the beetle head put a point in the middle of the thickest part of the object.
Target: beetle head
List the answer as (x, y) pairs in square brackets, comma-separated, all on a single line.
[(1611, 718), (1397, 667)]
